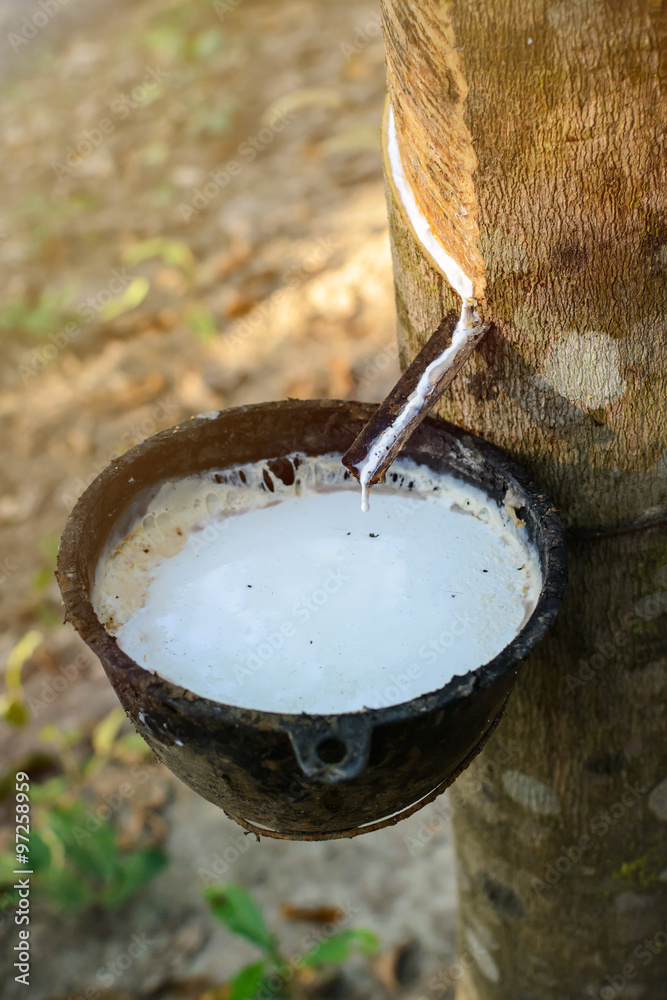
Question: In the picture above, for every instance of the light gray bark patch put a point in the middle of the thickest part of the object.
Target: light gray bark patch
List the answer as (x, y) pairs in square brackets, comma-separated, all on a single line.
[(632, 902), (657, 800), (482, 956), (585, 368), (532, 794)]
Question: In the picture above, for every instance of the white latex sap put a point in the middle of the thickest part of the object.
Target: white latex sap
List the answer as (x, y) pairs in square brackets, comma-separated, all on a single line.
[(286, 598), (467, 327)]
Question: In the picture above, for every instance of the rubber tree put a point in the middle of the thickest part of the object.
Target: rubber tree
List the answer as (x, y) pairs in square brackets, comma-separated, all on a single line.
[(532, 133)]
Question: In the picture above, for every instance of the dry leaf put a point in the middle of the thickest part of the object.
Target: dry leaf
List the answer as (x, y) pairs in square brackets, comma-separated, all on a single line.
[(315, 914)]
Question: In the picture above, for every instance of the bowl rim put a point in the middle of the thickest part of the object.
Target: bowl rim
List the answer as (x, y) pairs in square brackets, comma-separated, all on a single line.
[(125, 671)]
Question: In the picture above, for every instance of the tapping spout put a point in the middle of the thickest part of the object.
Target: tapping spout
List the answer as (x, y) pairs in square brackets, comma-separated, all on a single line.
[(414, 395)]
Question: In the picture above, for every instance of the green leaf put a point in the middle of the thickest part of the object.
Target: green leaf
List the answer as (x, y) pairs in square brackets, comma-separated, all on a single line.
[(49, 547), (246, 983), (202, 322), (47, 614), (42, 578), (13, 710), (7, 866), (40, 852), (134, 743), (134, 295), (133, 871), (49, 791), (172, 252), (339, 947), (207, 43), (106, 731), (64, 889), (238, 910), (18, 655), (91, 851)]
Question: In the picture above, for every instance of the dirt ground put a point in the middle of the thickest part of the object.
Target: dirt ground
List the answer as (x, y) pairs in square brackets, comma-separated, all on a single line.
[(192, 218)]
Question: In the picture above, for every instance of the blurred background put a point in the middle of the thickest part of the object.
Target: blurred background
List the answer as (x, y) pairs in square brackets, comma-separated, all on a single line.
[(192, 217)]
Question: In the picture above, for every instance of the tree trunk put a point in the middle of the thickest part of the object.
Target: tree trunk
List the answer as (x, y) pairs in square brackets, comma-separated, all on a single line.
[(533, 136)]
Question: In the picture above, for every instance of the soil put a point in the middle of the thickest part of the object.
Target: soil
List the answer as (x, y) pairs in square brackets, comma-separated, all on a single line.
[(242, 139)]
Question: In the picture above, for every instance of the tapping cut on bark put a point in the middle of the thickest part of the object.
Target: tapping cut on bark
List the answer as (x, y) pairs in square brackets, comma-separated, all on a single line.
[(427, 92), (564, 109)]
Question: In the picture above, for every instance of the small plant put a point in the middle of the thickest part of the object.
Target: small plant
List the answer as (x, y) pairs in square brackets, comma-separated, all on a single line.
[(13, 708), (75, 866), (273, 975), (74, 855), (38, 316), (201, 321), (177, 255), (174, 253), (126, 301)]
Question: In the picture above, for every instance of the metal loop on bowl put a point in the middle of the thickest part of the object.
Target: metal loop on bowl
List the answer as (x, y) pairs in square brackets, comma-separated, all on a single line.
[(331, 753), (260, 831)]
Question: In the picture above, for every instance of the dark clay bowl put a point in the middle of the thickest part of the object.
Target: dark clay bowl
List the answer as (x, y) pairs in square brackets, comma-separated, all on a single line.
[(305, 776)]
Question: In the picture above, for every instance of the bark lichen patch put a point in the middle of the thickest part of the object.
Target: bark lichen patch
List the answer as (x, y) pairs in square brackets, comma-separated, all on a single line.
[(644, 871), (530, 793), (585, 369)]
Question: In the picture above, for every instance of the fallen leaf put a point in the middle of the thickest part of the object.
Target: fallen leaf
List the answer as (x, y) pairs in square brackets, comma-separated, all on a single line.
[(314, 914)]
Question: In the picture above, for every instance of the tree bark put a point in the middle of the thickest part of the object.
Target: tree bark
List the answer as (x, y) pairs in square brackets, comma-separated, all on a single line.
[(538, 129)]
